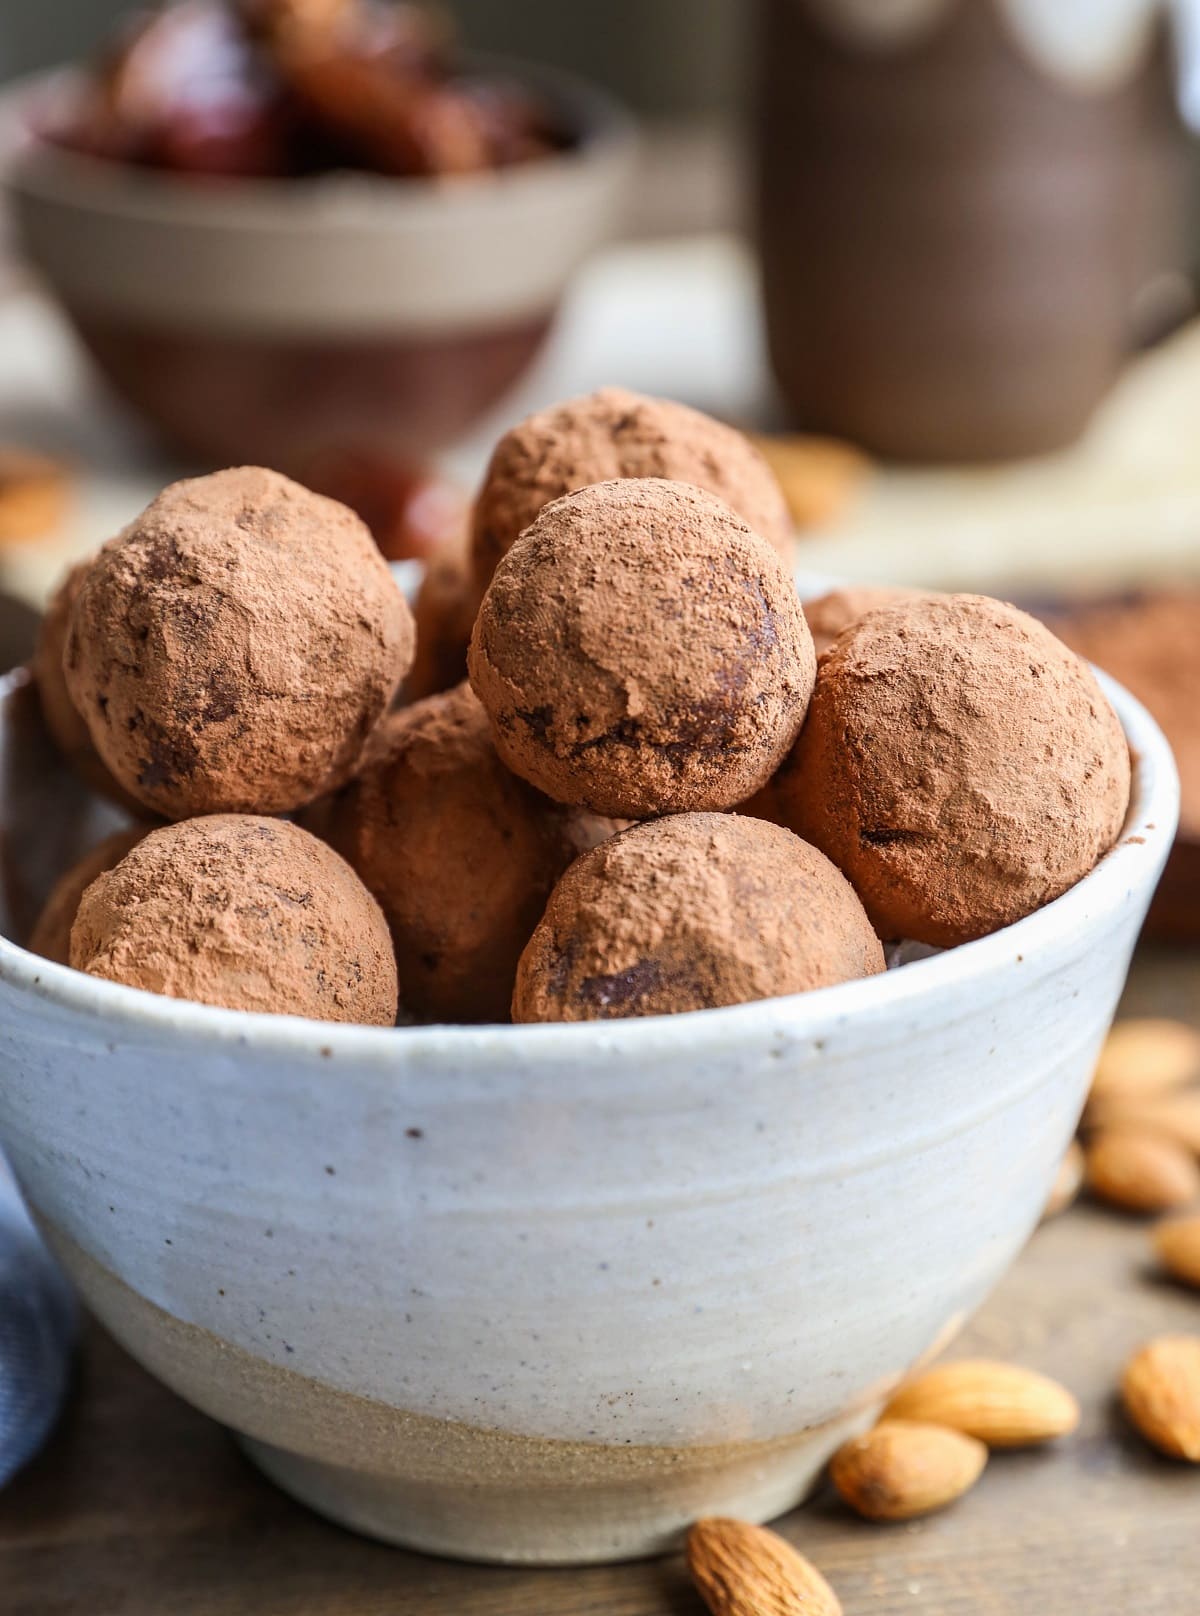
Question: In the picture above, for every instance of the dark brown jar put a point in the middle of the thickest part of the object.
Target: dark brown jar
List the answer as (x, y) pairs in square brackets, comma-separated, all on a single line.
[(954, 225)]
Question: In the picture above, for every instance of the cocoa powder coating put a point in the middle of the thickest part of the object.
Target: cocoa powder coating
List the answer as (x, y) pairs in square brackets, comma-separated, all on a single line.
[(959, 764), (460, 854), (829, 614), (642, 651), (614, 433), (689, 913), (826, 617), (233, 648), (51, 937), (444, 614), (248, 913), (66, 726)]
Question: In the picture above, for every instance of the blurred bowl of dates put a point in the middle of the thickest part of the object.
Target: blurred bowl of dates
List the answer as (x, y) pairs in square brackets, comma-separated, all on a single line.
[(290, 229)]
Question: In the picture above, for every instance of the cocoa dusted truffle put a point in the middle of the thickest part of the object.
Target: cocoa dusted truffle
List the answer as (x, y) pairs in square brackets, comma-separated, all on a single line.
[(460, 854), (829, 614), (248, 913), (642, 651), (613, 433), (688, 913), (234, 647), (51, 937), (959, 764), (444, 613), (67, 728)]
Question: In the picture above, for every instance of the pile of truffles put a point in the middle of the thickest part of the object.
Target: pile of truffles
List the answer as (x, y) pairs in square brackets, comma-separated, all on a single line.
[(648, 796)]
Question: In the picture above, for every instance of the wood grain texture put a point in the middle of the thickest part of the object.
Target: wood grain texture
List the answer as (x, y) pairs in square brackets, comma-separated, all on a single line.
[(141, 1507)]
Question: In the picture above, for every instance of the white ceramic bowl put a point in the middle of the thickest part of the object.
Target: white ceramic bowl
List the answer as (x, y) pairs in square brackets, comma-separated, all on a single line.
[(548, 1293)]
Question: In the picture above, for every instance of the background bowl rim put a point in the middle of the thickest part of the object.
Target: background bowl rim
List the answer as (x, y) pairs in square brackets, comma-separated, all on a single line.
[(1130, 866)]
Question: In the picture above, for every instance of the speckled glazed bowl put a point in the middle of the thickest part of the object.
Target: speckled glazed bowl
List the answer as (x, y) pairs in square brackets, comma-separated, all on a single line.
[(548, 1293)]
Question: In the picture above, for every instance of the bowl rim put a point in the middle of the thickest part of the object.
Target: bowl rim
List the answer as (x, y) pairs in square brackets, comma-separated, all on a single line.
[(1130, 866), (606, 131)]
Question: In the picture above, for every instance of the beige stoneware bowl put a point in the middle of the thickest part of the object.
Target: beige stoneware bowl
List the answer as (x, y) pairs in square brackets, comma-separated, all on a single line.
[(546, 1294), (278, 322)]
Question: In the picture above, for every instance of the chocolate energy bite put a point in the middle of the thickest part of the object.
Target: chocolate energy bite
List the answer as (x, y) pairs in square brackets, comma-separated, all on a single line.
[(614, 433), (51, 937), (829, 614), (234, 647), (460, 854), (689, 913), (959, 764), (826, 615), (444, 614), (248, 913), (642, 651), (67, 728)]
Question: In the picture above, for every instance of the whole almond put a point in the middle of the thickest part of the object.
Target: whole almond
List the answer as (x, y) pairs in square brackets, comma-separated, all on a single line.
[(1067, 1181), (743, 1570), (1141, 1172), (1175, 1116), (1161, 1392), (1145, 1056), (998, 1403), (1177, 1243), (903, 1468)]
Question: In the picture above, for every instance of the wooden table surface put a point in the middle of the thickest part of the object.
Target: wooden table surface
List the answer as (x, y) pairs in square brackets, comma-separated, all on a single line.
[(141, 1507)]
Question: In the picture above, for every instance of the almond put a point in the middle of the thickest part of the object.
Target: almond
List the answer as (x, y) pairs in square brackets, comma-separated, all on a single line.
[(998, 1403), (819, 476), (1140, 1171), (743, 1570), (1067, 1181), (1161, 1392), (1176, 1116), (904, 1468), (1147, 1056), (33, 494), (1177, 1243)]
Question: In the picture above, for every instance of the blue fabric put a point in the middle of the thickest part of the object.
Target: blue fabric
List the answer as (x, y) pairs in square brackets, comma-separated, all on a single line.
[(38, 1320)]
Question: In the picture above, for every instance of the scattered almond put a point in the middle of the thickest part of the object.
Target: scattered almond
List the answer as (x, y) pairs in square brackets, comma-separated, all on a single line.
[(1177, 1116), (819, 476), (1161, 1392), (903, 1468), (1067, 1181), (743, 1570), (33, 494), (1144, 1056), (1177, 1243), (1141, 1172), (998, 1403)]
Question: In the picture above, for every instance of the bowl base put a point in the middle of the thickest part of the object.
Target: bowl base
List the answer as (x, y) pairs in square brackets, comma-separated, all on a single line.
[(446, 1487), (513, 1524)]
